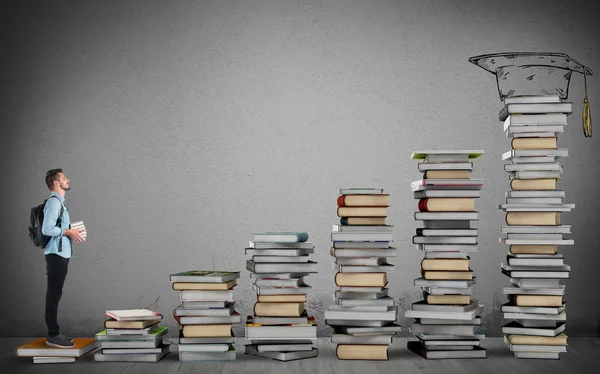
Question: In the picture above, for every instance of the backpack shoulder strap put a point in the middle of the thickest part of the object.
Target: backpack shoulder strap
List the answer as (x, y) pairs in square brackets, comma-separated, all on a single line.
[(59, 222)]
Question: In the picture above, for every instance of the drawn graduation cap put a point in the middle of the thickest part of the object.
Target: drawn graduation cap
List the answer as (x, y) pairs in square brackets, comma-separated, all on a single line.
[(536, 74)]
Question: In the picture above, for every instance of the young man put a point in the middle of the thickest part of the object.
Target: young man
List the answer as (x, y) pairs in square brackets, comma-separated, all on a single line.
[(57, 252)]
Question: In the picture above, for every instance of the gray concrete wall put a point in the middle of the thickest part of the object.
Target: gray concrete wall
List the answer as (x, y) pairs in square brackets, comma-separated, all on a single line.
[(184, 126)]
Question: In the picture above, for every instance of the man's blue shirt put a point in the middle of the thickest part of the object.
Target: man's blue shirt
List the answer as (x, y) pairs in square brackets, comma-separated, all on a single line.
[(49, 228)]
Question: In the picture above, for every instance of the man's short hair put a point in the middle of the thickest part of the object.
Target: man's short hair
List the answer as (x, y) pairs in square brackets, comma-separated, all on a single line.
[(51, 176)]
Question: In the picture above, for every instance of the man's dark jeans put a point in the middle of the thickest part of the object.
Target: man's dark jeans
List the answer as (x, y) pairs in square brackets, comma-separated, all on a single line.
[(56, 270)]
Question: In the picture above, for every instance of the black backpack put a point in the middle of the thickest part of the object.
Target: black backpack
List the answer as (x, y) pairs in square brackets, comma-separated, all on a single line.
[(36, 219)]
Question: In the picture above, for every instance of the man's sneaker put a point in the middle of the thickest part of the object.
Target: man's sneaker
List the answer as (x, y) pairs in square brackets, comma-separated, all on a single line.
[(60, 341)]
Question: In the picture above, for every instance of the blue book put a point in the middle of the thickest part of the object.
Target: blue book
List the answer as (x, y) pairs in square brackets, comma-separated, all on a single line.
[(280, 237)]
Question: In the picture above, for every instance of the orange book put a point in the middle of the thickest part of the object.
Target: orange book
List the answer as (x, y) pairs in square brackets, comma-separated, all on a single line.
[(39, 348)]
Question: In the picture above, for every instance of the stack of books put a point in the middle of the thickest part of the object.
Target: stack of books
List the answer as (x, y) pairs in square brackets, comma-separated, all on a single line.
[(447, 320), (44, 354), (281, 328), (533, 228), (363, 315), (132, 335), (81, 227), (206, 314)]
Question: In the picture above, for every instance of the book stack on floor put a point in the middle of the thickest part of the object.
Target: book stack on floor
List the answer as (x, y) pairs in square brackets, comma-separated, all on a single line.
[(44, 354), (281, 327), (363, 315), (132, 335), (533, 228), (447, 320), (206, 314)]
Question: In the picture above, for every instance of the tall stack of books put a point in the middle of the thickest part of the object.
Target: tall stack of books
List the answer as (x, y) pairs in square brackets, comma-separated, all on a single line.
[(44, 354), (447, 320), (206, 314), (363, 315), (132, 335), (533, 228), (281, 327)]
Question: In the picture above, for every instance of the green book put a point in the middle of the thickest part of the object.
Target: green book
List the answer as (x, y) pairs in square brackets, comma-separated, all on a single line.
[(160, 331), (205, 276)]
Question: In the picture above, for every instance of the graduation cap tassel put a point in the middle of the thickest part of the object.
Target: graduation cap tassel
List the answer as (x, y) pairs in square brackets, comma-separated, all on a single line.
[(587, 111)]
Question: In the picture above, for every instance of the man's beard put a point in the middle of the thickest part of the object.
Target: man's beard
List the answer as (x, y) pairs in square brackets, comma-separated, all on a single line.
[(66, 188)]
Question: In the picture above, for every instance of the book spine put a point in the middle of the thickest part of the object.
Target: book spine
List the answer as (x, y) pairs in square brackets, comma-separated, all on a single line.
[(423, 205), (341, 200), (344, 221), (419, 233)]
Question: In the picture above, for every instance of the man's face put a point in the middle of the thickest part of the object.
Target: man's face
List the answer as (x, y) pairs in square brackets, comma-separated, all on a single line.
[(63, 182)]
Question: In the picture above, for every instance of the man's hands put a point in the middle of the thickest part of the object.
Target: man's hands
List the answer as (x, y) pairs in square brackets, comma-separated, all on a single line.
[(74, 235)]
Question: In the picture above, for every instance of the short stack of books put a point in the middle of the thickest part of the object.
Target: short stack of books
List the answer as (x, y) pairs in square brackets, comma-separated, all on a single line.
[(132, 335), (363, 315), (78, 225), (44, 354), (533, 227), (447, 320), (206, 314), (281, 327)]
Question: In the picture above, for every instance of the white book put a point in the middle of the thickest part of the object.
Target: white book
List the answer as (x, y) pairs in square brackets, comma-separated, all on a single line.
[(133, 314), (531, 99), (360, 261), (513, 290), (559, 152), (422, 282), (538, 355), (535, 316), (535, 283), (288, 252), (531, 159), (534, 129), (535, 119), (536, 166), (534, 236), (202, 347), (383, 301), (509, 308), (302, 290), (534, 200), (561, 229), (446, 166), (443, 315), (515, 328), (534, 193), (440, 254), (537, 242), (53, 360), (363, 228), (447, 232), (535, 174), (446, 193), (362, 236), (365, 308), (355, 315), (227, 296), (534, 108), (537, 207), (447, 291), (446, 216), (532, 134), (352, 253), (277, 259), (361, 191)]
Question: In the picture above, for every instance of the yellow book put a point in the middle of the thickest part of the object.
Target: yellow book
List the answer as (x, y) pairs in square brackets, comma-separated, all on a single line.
[(445, 264), (560, 339), (362, 352), (361, 279)]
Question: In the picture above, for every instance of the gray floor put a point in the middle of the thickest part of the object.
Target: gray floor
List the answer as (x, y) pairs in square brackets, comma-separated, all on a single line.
[(583, 356)]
